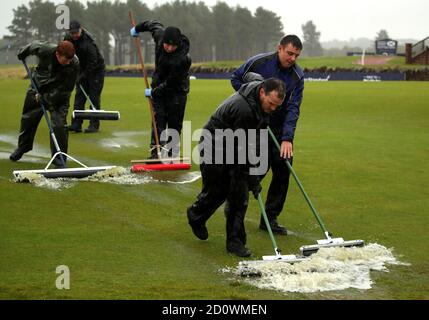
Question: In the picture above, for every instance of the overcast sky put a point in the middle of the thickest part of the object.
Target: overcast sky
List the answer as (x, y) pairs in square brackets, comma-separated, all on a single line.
[(335, 19)]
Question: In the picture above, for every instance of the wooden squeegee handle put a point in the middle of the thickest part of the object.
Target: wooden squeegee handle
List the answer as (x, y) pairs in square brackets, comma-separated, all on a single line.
[(140, 55)]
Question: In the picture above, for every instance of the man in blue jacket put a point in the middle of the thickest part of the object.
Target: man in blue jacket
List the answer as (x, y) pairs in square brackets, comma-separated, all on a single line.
[(281, 65)]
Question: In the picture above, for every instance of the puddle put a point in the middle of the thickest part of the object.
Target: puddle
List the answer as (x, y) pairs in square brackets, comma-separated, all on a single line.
[(124, 139), (4, 155)]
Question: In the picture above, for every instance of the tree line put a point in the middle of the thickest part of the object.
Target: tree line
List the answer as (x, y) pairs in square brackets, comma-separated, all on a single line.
[(216, 33)]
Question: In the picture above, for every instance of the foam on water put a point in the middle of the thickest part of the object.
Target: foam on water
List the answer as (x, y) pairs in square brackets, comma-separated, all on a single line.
[(118, 175), (42, 182), (125, 177), (328, 269)]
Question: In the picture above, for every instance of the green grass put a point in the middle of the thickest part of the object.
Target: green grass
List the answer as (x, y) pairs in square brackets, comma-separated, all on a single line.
[(361, 151)]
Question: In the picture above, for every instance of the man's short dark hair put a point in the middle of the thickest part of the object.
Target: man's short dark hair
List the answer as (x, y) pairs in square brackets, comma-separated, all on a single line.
[(293, 39), (273, 84)]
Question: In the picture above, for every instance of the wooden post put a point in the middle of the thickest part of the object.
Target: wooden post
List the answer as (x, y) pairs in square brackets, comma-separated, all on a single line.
[(408, 51)]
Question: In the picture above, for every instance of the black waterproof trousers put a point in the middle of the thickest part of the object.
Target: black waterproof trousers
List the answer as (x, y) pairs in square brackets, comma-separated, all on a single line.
[(223, 184), (169, 113), (32, 114), (93, 86), (279, 185)]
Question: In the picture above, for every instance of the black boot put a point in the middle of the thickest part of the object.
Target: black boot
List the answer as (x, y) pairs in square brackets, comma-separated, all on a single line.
[(75, 126), (17, 154), (75, 129), (275, 227), (239, 250), (59, 164), (199, 230), (94, 126), (91, 129)]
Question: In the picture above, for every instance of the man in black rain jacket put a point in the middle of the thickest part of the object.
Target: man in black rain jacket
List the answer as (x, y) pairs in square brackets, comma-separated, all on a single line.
[(170, 80), (248, 109), (91, 74)]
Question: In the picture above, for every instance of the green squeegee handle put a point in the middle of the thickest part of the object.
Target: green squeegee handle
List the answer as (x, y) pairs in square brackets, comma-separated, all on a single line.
[(267, 223), (313, 209), (90, 102)]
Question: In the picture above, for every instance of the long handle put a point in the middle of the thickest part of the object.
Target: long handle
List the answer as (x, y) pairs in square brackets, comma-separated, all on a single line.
[(86, 96), (45, 114), (152, 114), (267, 223), (313, 209)]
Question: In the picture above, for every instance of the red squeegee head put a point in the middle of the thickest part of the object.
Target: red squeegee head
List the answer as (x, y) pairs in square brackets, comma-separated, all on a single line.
[(160, 167)]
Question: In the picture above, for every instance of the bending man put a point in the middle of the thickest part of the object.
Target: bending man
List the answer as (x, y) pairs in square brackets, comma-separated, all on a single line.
[(55, 77), (230, 181)]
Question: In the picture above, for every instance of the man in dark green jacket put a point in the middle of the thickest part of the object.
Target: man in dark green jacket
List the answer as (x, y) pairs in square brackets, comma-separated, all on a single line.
[(55, 77)]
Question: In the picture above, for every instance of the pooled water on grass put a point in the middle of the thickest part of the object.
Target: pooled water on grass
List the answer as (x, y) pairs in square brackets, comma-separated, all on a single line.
[(328, 269), (39, 154), (123, 139), (29, 158), (10, 139), (118, 175), (176, 177)]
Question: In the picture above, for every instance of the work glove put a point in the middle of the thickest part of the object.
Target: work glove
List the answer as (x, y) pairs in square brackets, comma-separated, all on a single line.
[(254, 185), (133, 32), (155, 92), (148, 93)]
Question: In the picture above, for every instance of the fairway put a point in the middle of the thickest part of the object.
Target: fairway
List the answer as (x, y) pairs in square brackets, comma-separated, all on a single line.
[(361, 151)]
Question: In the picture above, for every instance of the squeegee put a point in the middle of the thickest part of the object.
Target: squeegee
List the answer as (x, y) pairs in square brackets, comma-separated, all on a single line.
[(277, 252), (94, 113), (82, 172), (160, 164), (324, 243)]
